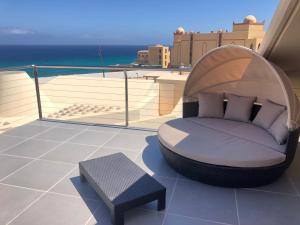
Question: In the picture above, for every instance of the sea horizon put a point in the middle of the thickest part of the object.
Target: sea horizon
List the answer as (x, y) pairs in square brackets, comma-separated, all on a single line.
[(67, 55)]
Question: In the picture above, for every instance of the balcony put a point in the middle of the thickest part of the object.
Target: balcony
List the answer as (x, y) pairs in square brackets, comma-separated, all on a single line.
[(39, 182), (39, 179), (131, 97)]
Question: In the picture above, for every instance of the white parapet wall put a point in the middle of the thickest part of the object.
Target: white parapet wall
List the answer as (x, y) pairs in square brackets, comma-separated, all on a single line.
[(95, 99), (91, 98), (18, 103), (170, 94)]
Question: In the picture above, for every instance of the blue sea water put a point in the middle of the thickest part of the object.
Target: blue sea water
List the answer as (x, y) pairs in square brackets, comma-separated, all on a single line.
[(11, 56)]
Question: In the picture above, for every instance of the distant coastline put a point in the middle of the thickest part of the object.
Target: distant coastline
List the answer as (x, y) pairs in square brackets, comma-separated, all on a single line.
[(81, 55)]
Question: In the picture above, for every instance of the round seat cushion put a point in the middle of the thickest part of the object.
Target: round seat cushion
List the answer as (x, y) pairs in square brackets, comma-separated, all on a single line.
[(191, 138)]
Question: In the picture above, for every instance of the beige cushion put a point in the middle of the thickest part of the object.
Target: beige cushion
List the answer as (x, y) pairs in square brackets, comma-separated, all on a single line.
[(279, 128), (268, 114), (212, 146), (211, 105), (246, 131), (239, 107)]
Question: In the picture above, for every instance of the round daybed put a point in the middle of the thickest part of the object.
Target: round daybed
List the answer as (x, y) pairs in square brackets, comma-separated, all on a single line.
[(226, 152)]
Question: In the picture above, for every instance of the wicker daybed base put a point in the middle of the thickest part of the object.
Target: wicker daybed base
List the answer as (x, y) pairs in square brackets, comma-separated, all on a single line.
[(229, 176)]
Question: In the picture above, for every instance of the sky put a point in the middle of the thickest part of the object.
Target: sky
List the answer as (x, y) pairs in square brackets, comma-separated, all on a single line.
[(120, 22)]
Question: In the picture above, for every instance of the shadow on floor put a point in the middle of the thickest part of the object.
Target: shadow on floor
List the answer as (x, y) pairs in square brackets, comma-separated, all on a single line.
[(151, 157)]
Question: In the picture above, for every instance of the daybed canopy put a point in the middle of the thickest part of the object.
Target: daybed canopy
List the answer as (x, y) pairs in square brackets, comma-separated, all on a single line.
[(239, 70)]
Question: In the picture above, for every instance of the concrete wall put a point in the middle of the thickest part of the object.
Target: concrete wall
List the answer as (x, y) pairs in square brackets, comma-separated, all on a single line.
[(18, 104), (159, 55), (170, 95), (155, 55), (189, 47), (181, 50), (202, 43), (99, 100), (142, 57)]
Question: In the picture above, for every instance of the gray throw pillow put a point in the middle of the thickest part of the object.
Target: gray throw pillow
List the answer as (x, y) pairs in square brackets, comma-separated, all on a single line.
[(279, 129), (239, 107), (268, 114), (211, 105)]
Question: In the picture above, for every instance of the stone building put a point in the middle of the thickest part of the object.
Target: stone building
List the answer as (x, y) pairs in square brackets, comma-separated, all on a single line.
[(155, 55), (188, 47)]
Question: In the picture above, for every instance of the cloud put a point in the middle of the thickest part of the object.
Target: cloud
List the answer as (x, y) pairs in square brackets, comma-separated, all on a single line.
[(15, 31)]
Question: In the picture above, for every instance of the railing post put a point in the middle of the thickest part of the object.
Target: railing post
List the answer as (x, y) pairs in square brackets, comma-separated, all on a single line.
[(126, 99), (37, 91)]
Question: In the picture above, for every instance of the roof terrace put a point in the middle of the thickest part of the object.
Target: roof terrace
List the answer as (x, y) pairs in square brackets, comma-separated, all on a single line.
[(39, 182)]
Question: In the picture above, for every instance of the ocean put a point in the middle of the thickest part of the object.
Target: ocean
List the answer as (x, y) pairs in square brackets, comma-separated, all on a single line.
[(12, 56)]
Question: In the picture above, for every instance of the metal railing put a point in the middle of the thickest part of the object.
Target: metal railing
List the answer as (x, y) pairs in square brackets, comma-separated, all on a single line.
[(76, 91)]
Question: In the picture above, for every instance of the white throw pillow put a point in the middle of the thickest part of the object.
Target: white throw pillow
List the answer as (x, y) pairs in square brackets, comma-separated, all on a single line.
[(268, 114), (211, 105), (239, 107), (279, 129)]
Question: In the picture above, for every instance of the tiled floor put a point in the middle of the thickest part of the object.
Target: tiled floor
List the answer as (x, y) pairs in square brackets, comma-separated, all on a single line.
[(39, 182)]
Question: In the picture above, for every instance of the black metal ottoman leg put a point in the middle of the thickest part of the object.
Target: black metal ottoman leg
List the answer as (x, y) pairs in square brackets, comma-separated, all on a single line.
[(161, 202), (117, 217)]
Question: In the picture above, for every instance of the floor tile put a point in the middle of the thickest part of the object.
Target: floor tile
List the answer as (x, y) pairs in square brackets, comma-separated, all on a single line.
[(138, 132), (282, 185), (7, 141), (71, 185), (129, 141), (105, 129), (145, 217), (267, 208), (92, 138), (132, 217), (43, 123), (153, 162), (26, 131), (32, 148), (194, 199), (39, 175), (169, 184), (193, 203), (108, 151), (101, 216), (72, 126), (72, 153), (182, 220), (59, 210), (13, 200), (58, 134), (9, 164)]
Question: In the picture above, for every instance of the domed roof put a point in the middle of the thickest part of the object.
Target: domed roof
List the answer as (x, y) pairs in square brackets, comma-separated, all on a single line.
[(250, 19), (179, 30)]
